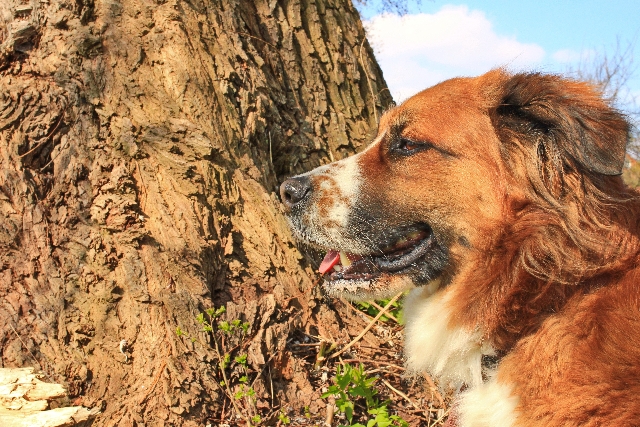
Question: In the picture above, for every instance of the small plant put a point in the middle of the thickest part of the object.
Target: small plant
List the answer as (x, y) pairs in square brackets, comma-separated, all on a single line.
[(284, 419), (351, 386), (228, 337)]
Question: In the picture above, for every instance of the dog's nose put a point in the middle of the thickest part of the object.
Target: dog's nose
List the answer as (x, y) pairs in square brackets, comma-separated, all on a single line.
[(294, 190)]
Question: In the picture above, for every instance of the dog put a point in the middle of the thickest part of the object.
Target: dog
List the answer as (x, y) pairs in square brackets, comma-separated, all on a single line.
[(498, 202)]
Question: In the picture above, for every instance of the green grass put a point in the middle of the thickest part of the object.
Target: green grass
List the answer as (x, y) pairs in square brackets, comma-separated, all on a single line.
[(352, 390)]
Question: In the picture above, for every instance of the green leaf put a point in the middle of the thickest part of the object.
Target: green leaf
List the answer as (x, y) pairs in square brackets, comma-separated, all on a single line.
[(224, 326), (331, 391), (343, 380), (283, 418), (398, 421), (348, 411), (382, 417), (359, 391), (242, 359)]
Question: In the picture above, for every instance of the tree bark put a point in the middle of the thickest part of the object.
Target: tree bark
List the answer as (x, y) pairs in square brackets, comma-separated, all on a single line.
[(142, 144)]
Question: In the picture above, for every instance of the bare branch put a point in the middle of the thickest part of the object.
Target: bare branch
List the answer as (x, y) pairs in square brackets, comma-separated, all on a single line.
[(612, 71)]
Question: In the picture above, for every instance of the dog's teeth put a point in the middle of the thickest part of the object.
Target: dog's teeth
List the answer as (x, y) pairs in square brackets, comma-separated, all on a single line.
[(337, 268), (344, 259), (412, 235)]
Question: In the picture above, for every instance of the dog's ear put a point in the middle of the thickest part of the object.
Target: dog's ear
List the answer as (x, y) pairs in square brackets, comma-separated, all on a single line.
[(562, 118)]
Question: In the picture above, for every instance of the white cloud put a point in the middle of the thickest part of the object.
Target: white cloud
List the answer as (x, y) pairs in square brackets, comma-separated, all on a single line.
[(418, 51)]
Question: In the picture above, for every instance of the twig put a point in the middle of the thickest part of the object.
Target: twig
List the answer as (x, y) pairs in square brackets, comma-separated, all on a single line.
[(311, 344), (376, 348), (385, 370), (359, 359), (389, 315), (360, 313), (399, 393), (271, 383), (224, 401), (422, 410), (331, 405), (270, 152), (369, 326), (439, 420), (322, 351), (434, 389)]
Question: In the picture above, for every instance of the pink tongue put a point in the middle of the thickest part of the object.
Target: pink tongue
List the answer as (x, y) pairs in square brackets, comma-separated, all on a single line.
[(331, 258)]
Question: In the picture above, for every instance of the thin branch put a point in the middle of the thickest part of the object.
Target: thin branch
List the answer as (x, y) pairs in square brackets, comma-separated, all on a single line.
[(401, 394), (369, 326)]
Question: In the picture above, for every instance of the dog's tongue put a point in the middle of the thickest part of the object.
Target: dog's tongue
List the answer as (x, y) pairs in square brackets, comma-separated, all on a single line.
[(330, 259)]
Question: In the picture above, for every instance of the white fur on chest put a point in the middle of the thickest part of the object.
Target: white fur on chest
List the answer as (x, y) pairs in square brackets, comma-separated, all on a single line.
[(492, 404), (451, 354)]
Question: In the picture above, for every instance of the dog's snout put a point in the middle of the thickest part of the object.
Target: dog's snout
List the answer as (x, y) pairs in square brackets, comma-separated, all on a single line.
[(294, 190)]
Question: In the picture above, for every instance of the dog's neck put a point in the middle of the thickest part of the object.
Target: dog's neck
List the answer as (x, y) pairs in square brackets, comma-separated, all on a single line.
[(434, 343), (510, 293)]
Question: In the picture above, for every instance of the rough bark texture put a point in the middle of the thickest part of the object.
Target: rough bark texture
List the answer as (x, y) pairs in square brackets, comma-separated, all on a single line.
[(142, 144)]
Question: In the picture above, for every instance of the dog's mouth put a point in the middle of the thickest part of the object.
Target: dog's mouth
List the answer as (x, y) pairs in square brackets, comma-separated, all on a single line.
[(348, 273)]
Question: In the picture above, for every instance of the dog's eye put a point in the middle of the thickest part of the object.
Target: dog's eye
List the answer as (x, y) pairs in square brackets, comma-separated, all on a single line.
[(406, 147)]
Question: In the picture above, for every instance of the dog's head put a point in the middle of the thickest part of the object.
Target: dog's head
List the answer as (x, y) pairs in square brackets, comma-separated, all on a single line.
[(447, 169)]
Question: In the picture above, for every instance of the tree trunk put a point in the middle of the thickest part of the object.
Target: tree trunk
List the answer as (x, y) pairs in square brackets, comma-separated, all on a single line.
[(142, 144)]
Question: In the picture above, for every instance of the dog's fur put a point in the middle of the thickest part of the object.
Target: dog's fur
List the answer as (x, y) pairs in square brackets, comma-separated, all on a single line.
[(529, 245)]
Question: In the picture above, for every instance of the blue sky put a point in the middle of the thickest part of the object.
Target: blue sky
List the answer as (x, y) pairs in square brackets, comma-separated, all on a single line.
[(442, 39)]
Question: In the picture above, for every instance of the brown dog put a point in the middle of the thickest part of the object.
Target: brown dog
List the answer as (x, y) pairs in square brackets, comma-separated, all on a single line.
[(499, 200)]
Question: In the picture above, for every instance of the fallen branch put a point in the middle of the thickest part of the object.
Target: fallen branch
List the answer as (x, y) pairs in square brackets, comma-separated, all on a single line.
[(24, 402), (369, 326)]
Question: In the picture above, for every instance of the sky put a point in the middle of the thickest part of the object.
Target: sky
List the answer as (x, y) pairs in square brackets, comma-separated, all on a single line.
[(438, 40)]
